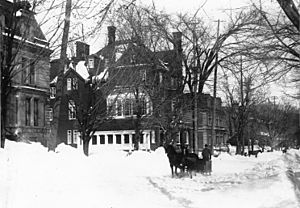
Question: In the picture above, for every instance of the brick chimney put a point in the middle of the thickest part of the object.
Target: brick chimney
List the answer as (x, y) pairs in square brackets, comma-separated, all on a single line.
[(177, 37), (82, 50), (111, 34)]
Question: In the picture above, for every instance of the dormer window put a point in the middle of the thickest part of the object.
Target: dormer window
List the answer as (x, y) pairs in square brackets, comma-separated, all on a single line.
[(69, 84), (91, 63)]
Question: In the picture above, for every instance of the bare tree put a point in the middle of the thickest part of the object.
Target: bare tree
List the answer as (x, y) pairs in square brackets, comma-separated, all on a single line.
[(243, 86), (276, 121), (275, 40)]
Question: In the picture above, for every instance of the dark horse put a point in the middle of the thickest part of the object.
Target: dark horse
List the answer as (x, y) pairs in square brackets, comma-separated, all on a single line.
[(175, 159), (184, 161)]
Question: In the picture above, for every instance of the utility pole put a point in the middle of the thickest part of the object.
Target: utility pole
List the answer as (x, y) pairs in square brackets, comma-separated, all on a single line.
[(196, 142), (242, 108), (1, 66), (213, 132)]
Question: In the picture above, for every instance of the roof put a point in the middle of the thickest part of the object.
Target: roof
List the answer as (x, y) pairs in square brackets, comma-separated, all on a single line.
[(82, 70), (6, 8)]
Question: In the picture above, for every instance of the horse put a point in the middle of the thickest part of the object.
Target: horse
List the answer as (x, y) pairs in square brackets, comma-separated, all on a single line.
[(254, 152), (175, 159), (184, 161)]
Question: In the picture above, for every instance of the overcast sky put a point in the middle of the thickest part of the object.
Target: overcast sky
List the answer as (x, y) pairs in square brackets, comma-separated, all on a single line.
[(213, 9)]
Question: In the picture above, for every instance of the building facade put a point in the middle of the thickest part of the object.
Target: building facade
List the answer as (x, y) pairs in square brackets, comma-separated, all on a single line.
[(143, 96), (75, 94), (28, 99)]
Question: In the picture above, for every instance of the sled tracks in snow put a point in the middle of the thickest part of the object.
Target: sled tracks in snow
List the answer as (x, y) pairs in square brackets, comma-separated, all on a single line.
[(180, 200)]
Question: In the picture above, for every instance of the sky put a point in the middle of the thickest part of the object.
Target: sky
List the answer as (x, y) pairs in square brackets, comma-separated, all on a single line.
[(32, 177), (213, 9)]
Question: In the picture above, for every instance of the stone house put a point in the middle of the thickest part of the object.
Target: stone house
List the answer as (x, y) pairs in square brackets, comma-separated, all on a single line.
[(28, 100)]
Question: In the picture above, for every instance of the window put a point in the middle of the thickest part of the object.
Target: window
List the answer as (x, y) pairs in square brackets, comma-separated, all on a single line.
[(52, 92), (142, 139), (75, 132), (126, 138), (28, 71), (36, 112), (50, 114), (209, 119), (69, 136), (75, 83), (118, 138), (173, 103), (119, 108), (143, 106), (17, 110), (106, 62), (128, 107), (160, 77), (27, 111), (110, 139), (102, 139), (91, 63), (143, 74), (173, 82), (31, 75), (110, 107), (152, 137), (25, 70), (94, 140), (69, 84), (72, 110)]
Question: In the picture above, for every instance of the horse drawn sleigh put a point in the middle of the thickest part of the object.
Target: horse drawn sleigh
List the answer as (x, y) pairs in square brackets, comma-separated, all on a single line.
[(187, 162)]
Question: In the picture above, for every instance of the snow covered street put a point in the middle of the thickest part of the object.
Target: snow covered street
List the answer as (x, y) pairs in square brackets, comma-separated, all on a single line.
[(32, 177)]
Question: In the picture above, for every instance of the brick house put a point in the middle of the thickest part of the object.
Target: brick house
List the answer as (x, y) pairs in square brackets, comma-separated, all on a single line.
[(136, 76), (28, 100), (204, 121), (75, 92), (139, 79)]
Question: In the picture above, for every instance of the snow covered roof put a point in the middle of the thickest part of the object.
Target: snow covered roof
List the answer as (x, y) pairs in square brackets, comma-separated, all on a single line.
[(102, 76), (54, 80), (82, 70)]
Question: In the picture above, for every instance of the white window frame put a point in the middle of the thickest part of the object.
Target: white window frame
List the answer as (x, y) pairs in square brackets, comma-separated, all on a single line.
[(91, 63), (75, 132), (69, 84), (50, 114), (75, 83), (52, 92), (69, 137), (72, 110), (143, 74)]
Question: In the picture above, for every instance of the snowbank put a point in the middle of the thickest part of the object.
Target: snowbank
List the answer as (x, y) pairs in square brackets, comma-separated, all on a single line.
[(32, 177)]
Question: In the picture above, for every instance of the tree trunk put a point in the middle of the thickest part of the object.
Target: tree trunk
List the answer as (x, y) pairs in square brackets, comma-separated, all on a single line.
[(1, 65), (86, 141), (291, 12), (59, 85)]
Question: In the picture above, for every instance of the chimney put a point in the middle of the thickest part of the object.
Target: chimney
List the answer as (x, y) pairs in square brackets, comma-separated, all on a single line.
[(82, 50), (111, 34), (177, 37)]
